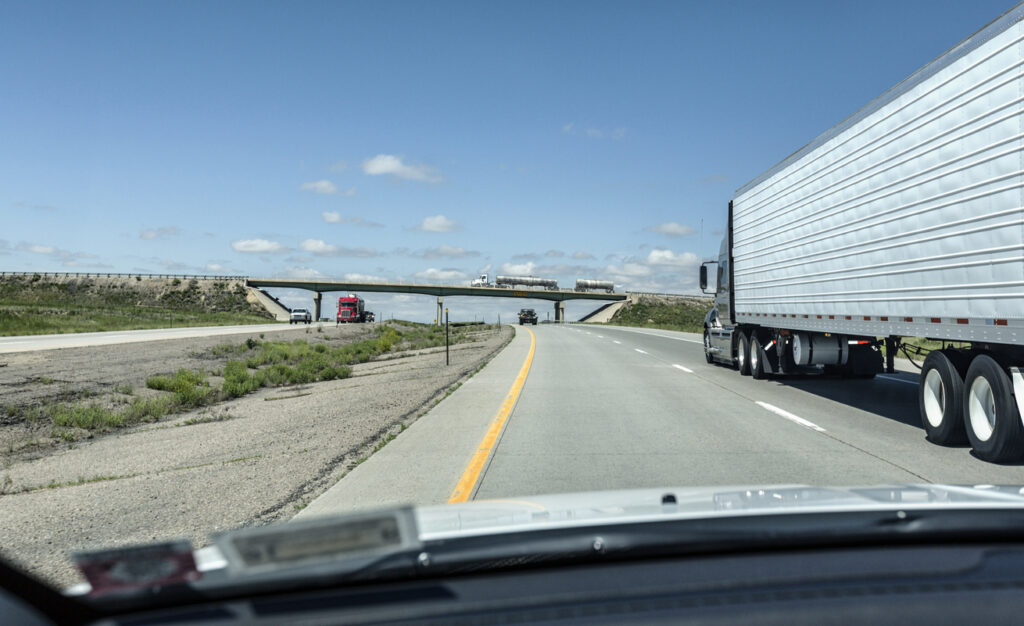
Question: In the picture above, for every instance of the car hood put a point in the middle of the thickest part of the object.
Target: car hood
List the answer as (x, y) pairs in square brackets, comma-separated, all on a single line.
[(354, 540), (632, 505)]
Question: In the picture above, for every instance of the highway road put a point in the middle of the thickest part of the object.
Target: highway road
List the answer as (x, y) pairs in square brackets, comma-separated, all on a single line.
[(610, 408), (27, 343)]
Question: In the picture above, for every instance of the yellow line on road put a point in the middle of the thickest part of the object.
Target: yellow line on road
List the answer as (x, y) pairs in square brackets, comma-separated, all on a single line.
[(472, 474)]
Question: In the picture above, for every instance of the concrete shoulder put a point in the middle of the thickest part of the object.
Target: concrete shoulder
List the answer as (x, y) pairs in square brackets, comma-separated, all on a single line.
[(423, 464)]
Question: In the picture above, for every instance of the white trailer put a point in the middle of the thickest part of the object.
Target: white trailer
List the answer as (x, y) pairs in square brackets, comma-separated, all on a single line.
[(905, 220)]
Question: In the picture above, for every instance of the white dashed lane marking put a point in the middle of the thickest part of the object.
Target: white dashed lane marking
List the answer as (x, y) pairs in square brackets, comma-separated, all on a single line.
[(793, 418)]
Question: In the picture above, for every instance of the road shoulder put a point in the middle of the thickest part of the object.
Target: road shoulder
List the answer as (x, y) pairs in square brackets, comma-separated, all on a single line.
[(423, 464)]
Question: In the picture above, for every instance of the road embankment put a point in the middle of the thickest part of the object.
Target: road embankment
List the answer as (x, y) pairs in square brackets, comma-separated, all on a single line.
[(252, 460)]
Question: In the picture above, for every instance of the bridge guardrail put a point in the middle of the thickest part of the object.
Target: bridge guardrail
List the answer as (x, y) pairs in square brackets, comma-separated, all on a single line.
[(124, 274), (671, 295)]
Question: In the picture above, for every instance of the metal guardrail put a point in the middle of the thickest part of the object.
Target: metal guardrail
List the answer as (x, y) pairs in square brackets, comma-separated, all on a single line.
[(122, 274), (671, 295)]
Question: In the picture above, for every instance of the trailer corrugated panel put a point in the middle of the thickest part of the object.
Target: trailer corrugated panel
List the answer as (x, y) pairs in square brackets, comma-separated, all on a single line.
[(906, 218)]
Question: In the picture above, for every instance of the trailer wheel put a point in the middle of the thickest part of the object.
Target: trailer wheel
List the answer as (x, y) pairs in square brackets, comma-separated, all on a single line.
[(743, 354), (940, 400), (757, 357), (990, 413), (707, 347)]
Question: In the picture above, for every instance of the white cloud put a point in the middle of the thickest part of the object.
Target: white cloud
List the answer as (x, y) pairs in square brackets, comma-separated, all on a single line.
[(445, 274), (67, 258), (392, 165), (333, 217), (320, 186), (38, 249), (176, 265), (36, 207), (628, 270), (438, 224), (446, 252), (217, 268), (301, 273), (672, 229), (159, 233), (519, 269), (257, 246), (319, 247), (667, 258), (554, 254), (365, 278), (581, 256), (595, 133)]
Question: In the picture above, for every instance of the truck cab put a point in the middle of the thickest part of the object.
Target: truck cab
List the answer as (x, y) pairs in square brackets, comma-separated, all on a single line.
[(482, 281), (718, 324), (300, 316)]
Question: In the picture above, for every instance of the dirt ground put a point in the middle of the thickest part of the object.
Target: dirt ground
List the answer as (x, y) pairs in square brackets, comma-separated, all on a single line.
[(252, 460)]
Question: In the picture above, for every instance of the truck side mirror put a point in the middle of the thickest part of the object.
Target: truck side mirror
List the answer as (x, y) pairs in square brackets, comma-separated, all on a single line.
[(703, 277)]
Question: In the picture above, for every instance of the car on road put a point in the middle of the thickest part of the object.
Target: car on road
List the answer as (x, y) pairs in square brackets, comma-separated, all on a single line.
[(300, 316), (527, 316), (369, 316)]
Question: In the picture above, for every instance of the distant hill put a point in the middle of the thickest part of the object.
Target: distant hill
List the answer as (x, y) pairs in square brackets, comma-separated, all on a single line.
[(32, 304), (686, 314)]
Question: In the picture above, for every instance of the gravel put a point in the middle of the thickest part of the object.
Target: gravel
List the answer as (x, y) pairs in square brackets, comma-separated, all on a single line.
[(253, 460)]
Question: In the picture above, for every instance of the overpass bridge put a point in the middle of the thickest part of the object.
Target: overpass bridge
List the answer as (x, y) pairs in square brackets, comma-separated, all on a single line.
[(558, 296)]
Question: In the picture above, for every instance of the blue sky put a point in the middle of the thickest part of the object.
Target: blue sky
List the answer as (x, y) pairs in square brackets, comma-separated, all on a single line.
[(422, 141)]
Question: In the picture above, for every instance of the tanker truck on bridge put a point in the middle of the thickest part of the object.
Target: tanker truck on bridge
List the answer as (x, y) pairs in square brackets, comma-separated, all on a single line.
[(905, 220), (586, 285), (550, 284)]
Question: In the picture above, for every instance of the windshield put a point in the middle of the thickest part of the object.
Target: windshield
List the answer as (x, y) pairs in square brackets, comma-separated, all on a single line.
[(524, 194)]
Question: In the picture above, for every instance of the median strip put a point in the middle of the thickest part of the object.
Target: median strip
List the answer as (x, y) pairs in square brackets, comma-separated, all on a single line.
[(467, 483)]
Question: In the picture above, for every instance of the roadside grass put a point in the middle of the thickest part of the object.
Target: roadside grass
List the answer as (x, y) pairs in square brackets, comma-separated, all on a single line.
[(40, 304), (262, 364), (64, 318), (687, 315), (53, 484)]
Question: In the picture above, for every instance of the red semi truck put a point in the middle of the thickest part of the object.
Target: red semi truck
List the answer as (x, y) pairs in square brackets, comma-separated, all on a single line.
[(351, 309)]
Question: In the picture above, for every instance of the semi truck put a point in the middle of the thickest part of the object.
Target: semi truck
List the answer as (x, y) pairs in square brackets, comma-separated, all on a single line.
[(351, 308), (903, 221), (482, 281)]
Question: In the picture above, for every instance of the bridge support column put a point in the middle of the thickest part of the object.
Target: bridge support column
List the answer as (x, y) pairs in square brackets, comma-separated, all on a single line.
[(317, 299), (440, 310), (559, 312)]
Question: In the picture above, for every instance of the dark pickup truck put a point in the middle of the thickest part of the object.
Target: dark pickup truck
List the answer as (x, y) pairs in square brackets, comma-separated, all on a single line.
[(527, 316)]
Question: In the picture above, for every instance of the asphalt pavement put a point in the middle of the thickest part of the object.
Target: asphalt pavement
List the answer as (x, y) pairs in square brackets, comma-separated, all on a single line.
[(609, 408)]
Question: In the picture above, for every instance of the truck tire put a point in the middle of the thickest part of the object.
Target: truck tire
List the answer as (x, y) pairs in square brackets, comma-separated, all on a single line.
[(743, 354), (990, 413), (940, 400), (757, 360), (707, 347)]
